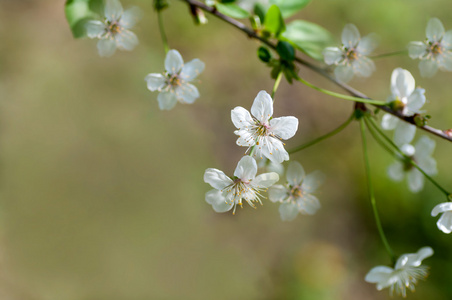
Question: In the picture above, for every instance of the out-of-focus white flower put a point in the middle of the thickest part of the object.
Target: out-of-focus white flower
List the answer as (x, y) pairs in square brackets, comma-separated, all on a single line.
[(405, 275), (245, 185), (408, 100), (421, 153), (445, 221), (296, 195), (268, 165), (174, 84), (351, 58), (436, 52), (113, 32), (261, 130)]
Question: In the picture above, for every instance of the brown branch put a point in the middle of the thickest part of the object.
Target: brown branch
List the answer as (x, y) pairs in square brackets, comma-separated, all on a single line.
[(250, 33)]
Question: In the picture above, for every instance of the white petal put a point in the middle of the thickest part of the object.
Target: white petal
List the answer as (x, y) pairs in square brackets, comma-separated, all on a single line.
[(424, 146), (363, 66), (126, 40), (350, 36), (217, 179), (332, 55), (416, 100), (445, 61), (288, 211), (308, 204), (414, 259), (284, 127), (245, 139), (415, 180), (408, 149), (277, 193), (295, 173), (402, 83), (265, 180), (441, 208), (94, 29), (274, 150), (262, 108), (380, 275), (173, 62), (246, 168), (417, 49), (130, 17), (395, 171), (368, 44), (155, 81), (167, 100), (389, 122), (404, 133), (435, 30), (113, 10), (218, 201), (241, 118), (312, 181), (447, 39), (192, 69), (445, 222), (428, 164), (344, 73), (428, 68), (106, 47), (275, 167), (187, 93)]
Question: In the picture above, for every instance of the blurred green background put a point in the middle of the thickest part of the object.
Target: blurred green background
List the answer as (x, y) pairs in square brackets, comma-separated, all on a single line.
[(102, 193)]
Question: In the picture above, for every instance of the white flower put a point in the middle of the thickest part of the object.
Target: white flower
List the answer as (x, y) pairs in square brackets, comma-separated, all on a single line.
[(174, 84), (351, 58), (296, 195), (268, 165), (435, 52), (245, 185), (263, 131), (113, 31), (408, 100), (421, 153), (445, 221), (406, 273)]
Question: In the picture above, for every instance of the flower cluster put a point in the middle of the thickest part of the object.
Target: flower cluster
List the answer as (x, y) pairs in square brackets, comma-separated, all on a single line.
[(435, 52), (351, 58), (113, 31), (405, 274)]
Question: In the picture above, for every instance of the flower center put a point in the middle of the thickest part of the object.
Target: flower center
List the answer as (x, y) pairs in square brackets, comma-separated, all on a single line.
[(113, 27), (174, 80), (351, 54), (436, 48), (407, 166), (296, 191)]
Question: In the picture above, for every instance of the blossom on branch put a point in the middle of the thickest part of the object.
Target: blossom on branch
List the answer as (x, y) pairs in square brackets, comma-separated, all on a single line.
[(408, 100), (405, 275), (445, 221), (435, 52), (351, 58), (296, 195), (245, 185), (174, 85), (261, 131), (113, 32), (421, 154)]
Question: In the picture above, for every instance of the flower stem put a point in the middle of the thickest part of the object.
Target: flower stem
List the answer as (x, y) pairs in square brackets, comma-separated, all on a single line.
[(394, 53), (341, 96), (371, 193), (162, 32), (276, 85), (407, 158), (323, 137)]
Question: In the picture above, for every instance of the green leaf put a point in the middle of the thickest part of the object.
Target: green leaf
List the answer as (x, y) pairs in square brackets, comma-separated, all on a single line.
[(259, 10), (308, 37), (78, 12), (290, 7), (232, 10), (285, 51), (274, 22), (264, 54)]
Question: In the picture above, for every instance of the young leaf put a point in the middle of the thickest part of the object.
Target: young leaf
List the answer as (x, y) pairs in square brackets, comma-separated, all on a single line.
[(259, 10), (232, 10), (274, 22), (290, 7), (308, 37), (286, 51), (78, 12), (264, 54)]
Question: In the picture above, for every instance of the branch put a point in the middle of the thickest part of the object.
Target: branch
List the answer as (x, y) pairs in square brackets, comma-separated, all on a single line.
[(317, 69)]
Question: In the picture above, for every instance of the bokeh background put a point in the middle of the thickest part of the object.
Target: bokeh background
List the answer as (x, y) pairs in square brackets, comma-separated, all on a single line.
[(102, 195)]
